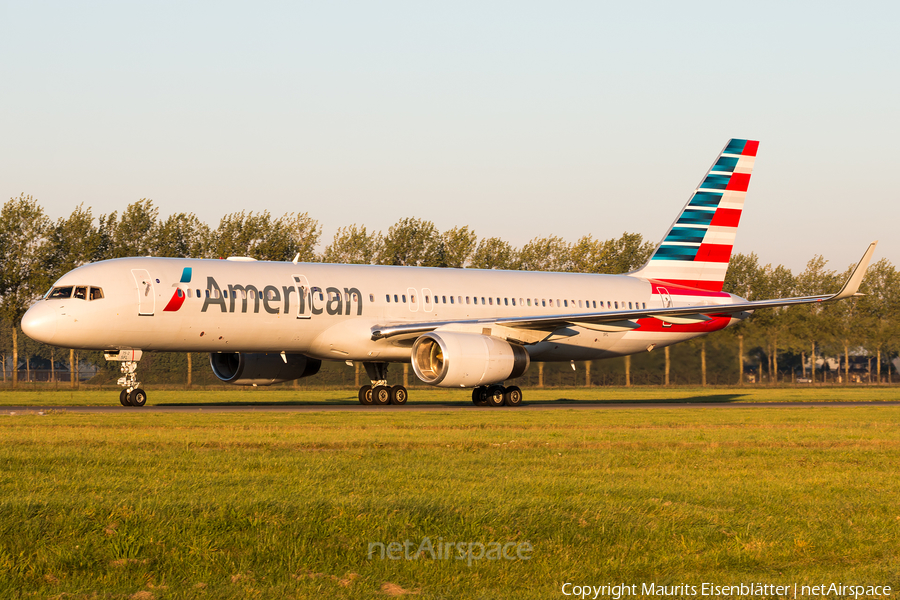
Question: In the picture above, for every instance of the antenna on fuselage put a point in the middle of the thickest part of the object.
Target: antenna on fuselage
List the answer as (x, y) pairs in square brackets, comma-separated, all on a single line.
[(296, 258)]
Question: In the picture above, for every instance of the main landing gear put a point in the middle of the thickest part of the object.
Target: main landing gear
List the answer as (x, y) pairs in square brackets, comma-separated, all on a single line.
[(132, 395), (380, 393), (497, 395)]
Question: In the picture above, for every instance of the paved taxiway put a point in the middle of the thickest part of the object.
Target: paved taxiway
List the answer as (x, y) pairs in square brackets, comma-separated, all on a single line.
[(429, 407)]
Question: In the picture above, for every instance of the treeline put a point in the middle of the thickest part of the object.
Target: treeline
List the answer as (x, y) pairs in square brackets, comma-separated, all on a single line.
[(35, 250)]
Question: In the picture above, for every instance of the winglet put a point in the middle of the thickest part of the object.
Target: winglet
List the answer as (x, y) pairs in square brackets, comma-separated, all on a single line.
[(850, 288)]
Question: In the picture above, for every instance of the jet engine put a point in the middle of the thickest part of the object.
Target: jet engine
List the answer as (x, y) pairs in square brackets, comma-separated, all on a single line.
[(241, 368), (457, 359)]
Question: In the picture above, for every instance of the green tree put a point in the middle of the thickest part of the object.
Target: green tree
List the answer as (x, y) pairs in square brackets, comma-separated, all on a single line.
[(412, 242), (494, 253), (24, 248), (262, 237), (545, 254), (879, 312), (746, 279), (182, 235), (459, 245), (74, 241), (134, 234), (353, 246), (628, 253), (811, 321)]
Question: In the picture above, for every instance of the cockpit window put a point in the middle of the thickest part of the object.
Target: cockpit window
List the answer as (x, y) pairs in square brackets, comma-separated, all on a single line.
[(80, 292), (61, 292)]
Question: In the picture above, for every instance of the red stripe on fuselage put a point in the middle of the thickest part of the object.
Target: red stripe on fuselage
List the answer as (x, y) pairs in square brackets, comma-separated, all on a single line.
[(651, 325), (674, 289), (697, 284), (726, 217)]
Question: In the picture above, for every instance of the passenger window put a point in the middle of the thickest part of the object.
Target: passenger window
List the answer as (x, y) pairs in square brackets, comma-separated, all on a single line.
[(467, 299), (617, 305), (645, 304), (513, 301), (543, 303), (395, 298), (96, 293), (403, 296), (189, 293), (444, 299), (482, 300), (490, 301), (579, 304), (529, 302), (451, 299), (629, 306), (371, 297), (566, 303), (427, 299), (506, 302), (595, 304), (551, 301)]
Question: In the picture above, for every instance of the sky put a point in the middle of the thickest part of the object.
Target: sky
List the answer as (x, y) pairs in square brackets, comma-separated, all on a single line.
[(518, 119)]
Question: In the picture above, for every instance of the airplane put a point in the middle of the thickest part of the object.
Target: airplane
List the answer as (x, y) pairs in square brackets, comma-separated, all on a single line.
[(268, 322)]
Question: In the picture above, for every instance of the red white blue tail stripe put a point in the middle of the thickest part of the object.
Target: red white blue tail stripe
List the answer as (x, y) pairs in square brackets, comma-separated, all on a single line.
[(696, 249)]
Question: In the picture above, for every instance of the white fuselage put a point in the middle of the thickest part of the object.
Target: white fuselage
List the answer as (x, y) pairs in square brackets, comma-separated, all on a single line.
[(329, 311)]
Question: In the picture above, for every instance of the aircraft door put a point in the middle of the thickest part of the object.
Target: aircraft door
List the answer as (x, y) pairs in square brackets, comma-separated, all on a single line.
[(304, 297), (146, 294), (666, 299)]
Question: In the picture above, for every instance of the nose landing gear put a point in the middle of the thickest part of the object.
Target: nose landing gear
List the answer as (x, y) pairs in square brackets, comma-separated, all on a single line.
[(132, 395)]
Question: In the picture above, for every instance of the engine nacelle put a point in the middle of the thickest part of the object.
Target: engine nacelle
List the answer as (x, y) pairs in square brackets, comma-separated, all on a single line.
[(241, 368), (457, 359)]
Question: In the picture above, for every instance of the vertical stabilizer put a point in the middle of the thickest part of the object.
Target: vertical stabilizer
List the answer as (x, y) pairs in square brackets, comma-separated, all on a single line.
[(696, 249)]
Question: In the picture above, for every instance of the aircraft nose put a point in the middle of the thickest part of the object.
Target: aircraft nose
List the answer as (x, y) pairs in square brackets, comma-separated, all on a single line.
[(39, 323)]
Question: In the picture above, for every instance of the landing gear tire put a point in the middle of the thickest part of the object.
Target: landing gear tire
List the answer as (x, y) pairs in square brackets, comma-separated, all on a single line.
[(137, 397), (365, 395), (123, 398), (513, 396), (479, 396), (381, 394), (495, 395), (399, 395)]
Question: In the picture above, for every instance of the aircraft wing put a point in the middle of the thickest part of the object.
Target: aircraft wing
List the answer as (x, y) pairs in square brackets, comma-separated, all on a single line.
[(623, 320)]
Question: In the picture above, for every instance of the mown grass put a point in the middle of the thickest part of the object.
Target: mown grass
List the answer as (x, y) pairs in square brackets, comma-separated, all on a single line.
[(284, 505), (168, 396)]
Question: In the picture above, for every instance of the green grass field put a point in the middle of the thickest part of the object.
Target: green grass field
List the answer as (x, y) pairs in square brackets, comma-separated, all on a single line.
[(169, 396), (285, 505)]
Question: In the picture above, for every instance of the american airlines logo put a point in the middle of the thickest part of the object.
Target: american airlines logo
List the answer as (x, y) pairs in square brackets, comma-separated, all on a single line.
[(178, 297), (304, 301)]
